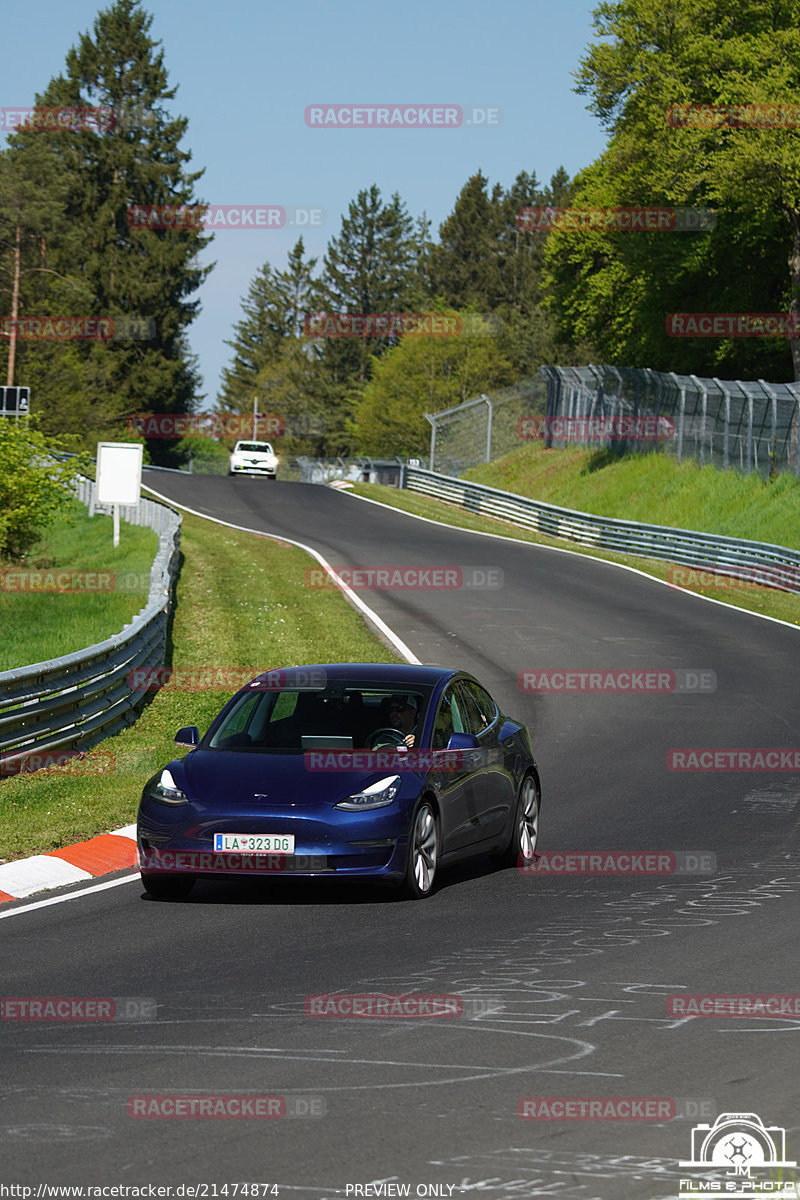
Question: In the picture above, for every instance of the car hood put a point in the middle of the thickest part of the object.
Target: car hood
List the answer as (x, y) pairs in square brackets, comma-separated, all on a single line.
[(227, 778)]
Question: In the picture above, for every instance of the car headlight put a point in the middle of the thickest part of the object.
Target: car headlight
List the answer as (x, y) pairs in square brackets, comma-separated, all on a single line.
[(166, 792), (377, 795)]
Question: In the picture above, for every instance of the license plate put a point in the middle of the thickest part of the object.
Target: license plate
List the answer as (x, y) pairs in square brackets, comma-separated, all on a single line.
[(255, 843)]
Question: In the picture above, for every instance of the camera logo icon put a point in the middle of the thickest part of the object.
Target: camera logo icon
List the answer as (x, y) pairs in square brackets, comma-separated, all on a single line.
[(738, 1142)]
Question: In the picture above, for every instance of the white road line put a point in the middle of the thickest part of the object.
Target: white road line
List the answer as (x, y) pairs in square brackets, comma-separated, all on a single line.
[(505, 537), (98, 887), (405, 651)]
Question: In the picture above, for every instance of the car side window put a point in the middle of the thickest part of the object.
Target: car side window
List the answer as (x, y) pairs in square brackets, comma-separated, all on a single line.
[(449, 719), (480, 708), (473, 720)]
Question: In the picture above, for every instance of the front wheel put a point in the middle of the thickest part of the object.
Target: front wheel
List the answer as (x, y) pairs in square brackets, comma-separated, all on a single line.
[(423, 854), (521, 850), (167, 887)]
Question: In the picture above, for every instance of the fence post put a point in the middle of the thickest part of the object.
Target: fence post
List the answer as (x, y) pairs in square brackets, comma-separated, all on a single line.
[(793, 388), (704, 392), (488, 428), (726, 433), (773, 437), (553, 376), (749, 464), (432, 419)]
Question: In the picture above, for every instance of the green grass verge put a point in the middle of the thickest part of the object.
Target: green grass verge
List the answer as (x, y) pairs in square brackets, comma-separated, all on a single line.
[(653, 488), (767, 601), (242, 606), (111, 588)]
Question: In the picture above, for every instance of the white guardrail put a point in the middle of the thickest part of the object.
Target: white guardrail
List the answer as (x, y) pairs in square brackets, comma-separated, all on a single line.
[(762, 562)]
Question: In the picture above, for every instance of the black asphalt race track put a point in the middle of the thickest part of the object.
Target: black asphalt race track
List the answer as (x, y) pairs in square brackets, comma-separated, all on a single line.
[(565, 980)]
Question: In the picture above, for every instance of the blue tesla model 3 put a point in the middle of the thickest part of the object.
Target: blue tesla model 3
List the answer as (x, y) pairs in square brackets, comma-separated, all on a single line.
[(348, 770)]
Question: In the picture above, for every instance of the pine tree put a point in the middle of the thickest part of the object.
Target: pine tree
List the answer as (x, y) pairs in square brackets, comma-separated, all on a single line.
[(274, 309), (146, 274), (466, 263), (527, 328), (371, 267)]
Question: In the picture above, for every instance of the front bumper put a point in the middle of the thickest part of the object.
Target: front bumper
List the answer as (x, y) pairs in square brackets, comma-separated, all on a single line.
[(239, 469), (374, 845)]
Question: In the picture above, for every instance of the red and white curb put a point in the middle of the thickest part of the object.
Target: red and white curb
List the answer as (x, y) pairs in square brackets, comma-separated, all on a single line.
[(71, 864)]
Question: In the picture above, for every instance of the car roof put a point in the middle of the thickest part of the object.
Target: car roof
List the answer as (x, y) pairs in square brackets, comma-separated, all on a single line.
[(393, 674)]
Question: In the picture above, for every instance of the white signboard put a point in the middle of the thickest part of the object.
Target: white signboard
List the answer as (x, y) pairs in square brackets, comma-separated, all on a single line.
[(119, 472)]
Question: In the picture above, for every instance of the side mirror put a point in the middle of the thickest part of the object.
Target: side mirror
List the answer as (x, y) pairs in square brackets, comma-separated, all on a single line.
[(188, 736), (463, 741)]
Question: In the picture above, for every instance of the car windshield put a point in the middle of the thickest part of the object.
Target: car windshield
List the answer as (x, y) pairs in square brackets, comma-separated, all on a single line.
[(259, 447), (343, 716)]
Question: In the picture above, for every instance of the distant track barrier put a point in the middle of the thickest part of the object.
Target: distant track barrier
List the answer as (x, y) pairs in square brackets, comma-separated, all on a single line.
[(762, 562)]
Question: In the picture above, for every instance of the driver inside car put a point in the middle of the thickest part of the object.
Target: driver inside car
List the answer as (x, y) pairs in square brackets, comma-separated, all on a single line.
[(403, 716)]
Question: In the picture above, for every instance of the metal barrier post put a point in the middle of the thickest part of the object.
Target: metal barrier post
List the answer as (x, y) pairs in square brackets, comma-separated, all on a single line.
[(488, 428), (704, 393), (726, 433), (429, 417)]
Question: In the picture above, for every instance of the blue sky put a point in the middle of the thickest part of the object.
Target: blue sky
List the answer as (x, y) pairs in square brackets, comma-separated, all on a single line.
[(246, 72)]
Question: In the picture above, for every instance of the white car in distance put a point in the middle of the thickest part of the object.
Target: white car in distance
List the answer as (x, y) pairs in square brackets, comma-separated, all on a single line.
[(254, 458)]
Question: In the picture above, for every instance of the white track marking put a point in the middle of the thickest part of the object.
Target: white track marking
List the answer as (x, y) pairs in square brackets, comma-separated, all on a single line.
[(355, 600), (28, 875), (97, 887), (505, 537)]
